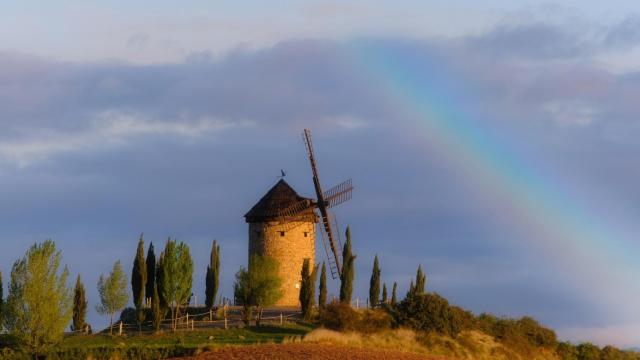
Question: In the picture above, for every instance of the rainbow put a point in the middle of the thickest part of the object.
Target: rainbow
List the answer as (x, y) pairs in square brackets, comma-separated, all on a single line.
[(569, 234)]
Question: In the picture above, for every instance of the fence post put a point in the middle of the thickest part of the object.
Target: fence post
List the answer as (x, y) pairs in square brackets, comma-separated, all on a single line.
[(225, 318), (357, 303), (210, 315), (187, 319), (280, 318), (120, 330)]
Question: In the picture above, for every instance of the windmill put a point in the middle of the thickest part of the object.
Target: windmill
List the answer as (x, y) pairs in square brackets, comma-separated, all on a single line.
[(324, 201)]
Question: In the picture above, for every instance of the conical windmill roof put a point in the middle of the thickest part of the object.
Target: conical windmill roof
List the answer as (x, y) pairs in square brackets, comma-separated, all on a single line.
[(279, 197)]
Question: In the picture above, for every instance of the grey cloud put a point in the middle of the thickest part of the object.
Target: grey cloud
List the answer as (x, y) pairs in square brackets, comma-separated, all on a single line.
[(410, 206), (569, 39), (624, 34), (537, 40)]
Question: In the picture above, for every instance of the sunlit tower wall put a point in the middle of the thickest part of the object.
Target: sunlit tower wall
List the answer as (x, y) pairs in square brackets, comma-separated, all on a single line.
[(289, 240)]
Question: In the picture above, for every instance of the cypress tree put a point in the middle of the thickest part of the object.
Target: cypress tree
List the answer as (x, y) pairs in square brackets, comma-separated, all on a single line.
[(384, 293), (322, 293), (79, 307), (156, 309), (394, 294), (139, 280), (374, 284), (421, 281), (412, 290), (346, 278), (307, 289), (213, 275), (151, 272)]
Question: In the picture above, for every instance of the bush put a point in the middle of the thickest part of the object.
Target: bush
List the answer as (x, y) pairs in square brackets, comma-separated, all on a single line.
[(524, 334), (374, 320), (429, 312), (536, 333), (588, 351), (342, 317), (566, 351), (611, 353), (464, 317)]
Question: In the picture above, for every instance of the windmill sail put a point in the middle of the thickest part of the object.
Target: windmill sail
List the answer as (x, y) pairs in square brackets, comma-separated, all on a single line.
[(322, 206), (338, 194)]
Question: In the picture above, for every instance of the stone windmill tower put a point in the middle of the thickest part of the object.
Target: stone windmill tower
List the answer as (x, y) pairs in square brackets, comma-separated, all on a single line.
[(282, 225), (289, 240)]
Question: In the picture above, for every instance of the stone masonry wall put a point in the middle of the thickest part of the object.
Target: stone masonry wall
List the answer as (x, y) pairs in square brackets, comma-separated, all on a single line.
[(289, 249)]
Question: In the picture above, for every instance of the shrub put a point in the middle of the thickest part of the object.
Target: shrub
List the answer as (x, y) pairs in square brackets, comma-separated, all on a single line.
[(342, 317), (339, 316), (611, 353), (566, 351), (464, 317), (536, 333), (523, 334), (429, 312), (588, 351)]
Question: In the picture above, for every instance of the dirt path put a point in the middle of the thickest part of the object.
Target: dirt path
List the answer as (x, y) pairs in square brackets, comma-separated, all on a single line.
[(306, 351)]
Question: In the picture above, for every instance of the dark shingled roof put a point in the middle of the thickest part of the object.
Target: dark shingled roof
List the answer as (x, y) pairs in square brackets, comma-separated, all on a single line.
[(279, 197)]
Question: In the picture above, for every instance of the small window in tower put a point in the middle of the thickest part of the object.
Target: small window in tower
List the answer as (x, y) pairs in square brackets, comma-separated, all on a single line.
[(305, 234), (281, 233), (258, 232)]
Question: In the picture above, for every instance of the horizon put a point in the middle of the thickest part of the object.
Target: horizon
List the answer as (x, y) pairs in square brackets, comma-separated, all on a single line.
[(492, 144)]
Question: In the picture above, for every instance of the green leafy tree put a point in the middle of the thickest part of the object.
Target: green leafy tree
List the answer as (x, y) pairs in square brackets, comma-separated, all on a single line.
[(322, 293), (151, 272), (213, 276), (259, 286), (374, 284), (177, 277), (348, 270), (139, 281), (79, 322), (394, 294), (113, 293), (38, 307), (307, 288), (384, 293), (156, 309)]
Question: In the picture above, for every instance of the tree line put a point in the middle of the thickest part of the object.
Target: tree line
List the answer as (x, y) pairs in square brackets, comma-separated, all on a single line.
[(160, 286), (40, 305)]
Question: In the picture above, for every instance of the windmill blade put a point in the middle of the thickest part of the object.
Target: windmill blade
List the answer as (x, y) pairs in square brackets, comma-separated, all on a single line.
[(338, 194), (336, 227), (322, 204), (333, 267)]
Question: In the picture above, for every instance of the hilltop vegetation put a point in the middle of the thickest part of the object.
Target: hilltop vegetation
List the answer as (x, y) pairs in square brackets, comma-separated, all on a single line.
[(427, 324), (163, 325)]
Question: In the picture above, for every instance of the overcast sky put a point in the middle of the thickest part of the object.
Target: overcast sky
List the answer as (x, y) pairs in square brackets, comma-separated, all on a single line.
[(494, 143)]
